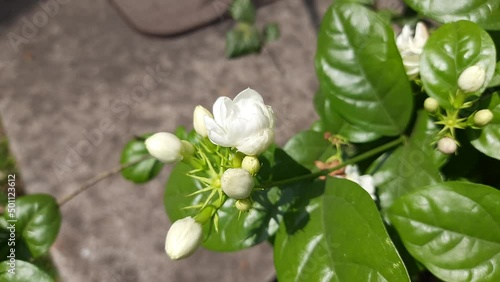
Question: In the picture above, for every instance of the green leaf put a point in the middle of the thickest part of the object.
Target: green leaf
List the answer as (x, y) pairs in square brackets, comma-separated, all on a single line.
[(360, 70), (486, 13), (335, 124), (243, 11), (449, 51), (487, 139), (38, 222), (495, 80), (307, 147), (367, 2), (24, 272), (453, 228), (241, 40), (271, 32), (143, 171), (251, 228), (338, 237), (411, 166)]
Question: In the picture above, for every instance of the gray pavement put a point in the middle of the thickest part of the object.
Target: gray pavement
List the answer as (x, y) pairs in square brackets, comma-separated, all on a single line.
[(77, 83)]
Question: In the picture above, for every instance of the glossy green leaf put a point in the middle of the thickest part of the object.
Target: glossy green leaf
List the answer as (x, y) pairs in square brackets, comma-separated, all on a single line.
[(335, 124), (360, 70), (242, 39), (38, 222), (412, 165), (449, 51), (271, 32), (144, 171), (453, 228), (250, 228), (484, 12), (24, 272), (338, 237), (495, 80), (487, 139), (243, 11), (307, 147)]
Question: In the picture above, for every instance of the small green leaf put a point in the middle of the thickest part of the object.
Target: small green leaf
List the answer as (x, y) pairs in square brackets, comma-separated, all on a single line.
[(337, 237), (495, 80), (453, 228), (360, 70), (143, 171), (241, 40), (449, 51), (307, 147), (24, 272), (335, 124), (487, 139), (243, 11), (486, 13), (271, 32), (410, 166), (38, 222)]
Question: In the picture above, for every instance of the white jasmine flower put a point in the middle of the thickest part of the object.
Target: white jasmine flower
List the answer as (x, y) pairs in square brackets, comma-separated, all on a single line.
[(447, 145), (168, 148), (365, 181), (237, 183), (472, 79), (199, 115), (183, 238), (245, 123), (411, 46)]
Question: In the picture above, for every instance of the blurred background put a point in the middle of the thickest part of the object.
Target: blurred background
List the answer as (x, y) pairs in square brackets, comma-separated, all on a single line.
[(81, 78)]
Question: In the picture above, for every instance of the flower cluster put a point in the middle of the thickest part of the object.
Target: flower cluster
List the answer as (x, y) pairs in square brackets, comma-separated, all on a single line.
[(224, 160)]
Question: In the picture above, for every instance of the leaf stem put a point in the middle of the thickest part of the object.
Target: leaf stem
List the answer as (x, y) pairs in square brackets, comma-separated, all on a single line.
[(356, 159), (98, 178)]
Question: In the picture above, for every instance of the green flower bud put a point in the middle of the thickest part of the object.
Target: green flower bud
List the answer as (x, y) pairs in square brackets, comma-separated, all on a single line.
[(244, 205), (483, 117), (251, 164), (431, 105), (237, 159), (447, 146)]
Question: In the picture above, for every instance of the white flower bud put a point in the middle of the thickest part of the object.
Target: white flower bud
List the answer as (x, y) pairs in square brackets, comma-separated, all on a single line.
[(245, 123), (244, 205), (251, 164), (447, 145), (165, 147), (483, 117), (472, 79), (183, 238), (431, 104), (199, 115), (237, 183)]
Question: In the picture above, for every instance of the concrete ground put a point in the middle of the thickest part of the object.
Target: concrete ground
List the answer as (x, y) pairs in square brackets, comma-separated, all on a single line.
[(72, 94)]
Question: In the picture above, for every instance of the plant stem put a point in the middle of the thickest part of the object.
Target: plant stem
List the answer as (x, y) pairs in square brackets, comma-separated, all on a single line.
[(98, 178), (356, 159)]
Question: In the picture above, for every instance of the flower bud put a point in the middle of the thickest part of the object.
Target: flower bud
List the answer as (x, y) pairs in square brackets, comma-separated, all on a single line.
[(472, 79), (251, 164), (183, 238), (199, 115), (244, 205), (431, 105), (237, 183), (237, 159), (447, 145), (165, 147), (483, 117)]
